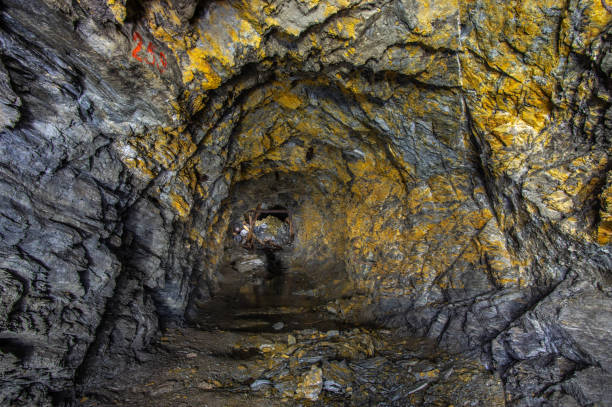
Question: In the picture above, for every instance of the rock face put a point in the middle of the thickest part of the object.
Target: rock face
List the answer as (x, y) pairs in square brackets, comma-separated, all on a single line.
[(451, 157)]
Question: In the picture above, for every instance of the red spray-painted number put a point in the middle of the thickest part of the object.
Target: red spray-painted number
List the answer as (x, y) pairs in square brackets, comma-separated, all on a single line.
[(162, 57), (150, 50), (136, 50)]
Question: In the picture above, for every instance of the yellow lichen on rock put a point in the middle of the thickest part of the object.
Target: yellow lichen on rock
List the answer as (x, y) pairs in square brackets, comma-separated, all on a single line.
[(179, 204), (118, 9), (199, 63), (604, 229), (592, 17), (514, 79), (289, 100), (170, 149)]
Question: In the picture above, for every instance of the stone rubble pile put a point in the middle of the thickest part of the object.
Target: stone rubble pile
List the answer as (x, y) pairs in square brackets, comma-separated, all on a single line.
[(368, 367)]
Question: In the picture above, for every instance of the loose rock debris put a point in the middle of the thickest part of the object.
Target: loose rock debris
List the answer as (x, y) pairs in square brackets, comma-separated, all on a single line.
[(308, 367)]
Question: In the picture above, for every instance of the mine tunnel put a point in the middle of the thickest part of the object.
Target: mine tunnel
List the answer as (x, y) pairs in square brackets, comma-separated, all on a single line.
[(281, 275), (305, 203)]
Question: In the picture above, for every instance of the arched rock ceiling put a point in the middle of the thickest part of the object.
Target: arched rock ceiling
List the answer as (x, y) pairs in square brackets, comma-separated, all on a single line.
[(389, 69)]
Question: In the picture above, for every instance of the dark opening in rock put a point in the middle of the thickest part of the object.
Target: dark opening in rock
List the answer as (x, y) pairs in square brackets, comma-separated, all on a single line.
[(277, 211)]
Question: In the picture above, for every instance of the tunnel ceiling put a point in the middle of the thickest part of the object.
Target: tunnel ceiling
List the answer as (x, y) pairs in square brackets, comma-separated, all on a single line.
[(458, 150)]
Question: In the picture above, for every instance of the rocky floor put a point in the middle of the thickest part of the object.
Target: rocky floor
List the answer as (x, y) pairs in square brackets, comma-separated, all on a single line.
[(309, 367), (268, 338)]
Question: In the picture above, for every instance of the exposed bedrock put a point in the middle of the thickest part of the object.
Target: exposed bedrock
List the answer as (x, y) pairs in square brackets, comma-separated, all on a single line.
[(446, 160)]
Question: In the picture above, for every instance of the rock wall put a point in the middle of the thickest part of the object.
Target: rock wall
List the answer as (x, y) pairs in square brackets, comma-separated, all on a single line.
[(465, 143)]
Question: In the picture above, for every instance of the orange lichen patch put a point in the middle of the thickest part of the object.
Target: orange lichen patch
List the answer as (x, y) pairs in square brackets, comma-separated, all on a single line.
[(179, 204), (266, 15), (604, 229), (512, 141), (559, 201), (255, 10), (329, 9), (171, 147), (503, 267), (582, 180), (371, 163), (510, 131), (140, 167), (566, 191), (604, 232), (344, 27), (536, 111), (162, 149), (513, 108), (129, 153), (598, 18), (118, 9), (424, 251), (199, 64), (280, 92), (195, 236), (447, 189), (277, 136), (438, 190), (329, 229), (251, 143), (288, 100), (594, 19), (189, 176), (205, 55)]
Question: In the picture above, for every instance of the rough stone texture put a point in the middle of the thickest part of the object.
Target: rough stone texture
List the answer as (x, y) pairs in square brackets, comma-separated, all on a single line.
[(457, 150)]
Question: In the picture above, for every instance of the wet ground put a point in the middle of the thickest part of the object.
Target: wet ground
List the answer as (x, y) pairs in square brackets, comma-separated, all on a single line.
[(255, 292)]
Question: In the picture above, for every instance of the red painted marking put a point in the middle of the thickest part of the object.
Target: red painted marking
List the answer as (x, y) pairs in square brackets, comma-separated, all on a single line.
[(162, 58), (163, 62), (150, 48), (136, 50)]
